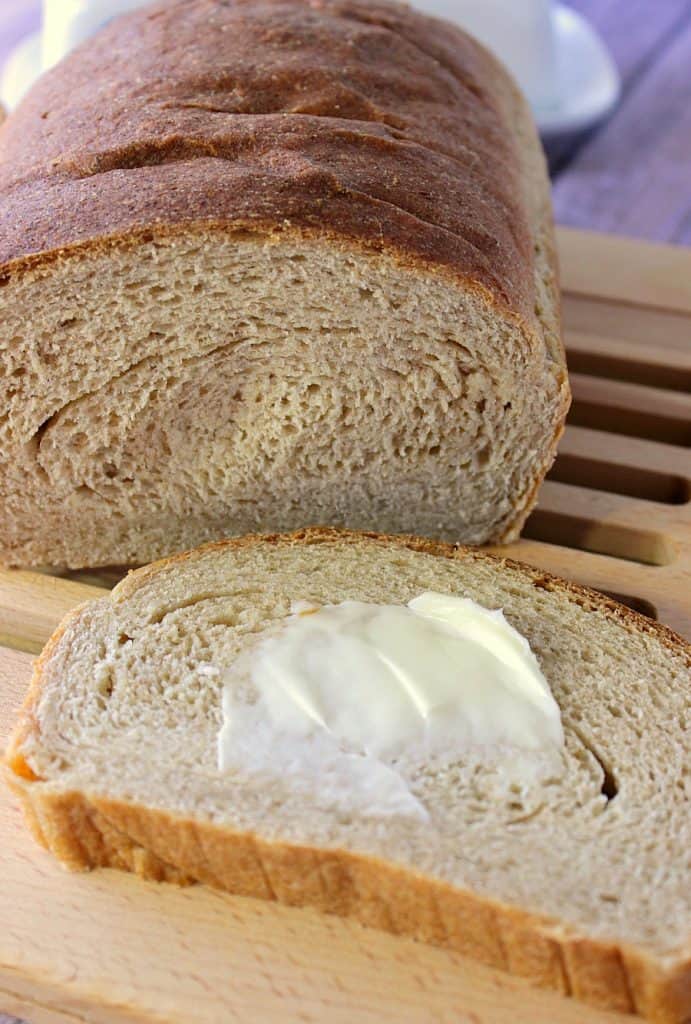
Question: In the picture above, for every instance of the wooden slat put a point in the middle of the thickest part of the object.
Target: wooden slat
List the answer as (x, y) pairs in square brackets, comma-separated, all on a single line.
[(632, 409), (658, 356), (618, 269), (636, 397), (635, 453), (32, 605), (646, 527), (639, 324), (623, 359), (585, 567), (623, 465)]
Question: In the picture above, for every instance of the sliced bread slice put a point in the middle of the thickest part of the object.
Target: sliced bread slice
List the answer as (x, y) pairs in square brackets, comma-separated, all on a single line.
[(579, 882)]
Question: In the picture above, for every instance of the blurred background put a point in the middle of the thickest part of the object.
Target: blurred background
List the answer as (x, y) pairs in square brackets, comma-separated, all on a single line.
[(609, 80)]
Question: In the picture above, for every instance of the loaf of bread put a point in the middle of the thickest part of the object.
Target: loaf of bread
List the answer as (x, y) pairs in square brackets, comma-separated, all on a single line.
[(266, 263), (578, 881)]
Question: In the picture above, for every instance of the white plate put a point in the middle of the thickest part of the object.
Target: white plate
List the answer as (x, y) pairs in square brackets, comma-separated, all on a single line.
[(584, 80), (587, 80)]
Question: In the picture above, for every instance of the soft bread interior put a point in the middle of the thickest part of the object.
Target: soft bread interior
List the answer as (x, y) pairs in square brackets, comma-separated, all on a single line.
[(213, 383), (128, 710)]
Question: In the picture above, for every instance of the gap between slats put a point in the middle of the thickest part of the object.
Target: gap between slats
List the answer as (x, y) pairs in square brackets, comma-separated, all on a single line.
[(618, 359), (619, 407), (639, 468)]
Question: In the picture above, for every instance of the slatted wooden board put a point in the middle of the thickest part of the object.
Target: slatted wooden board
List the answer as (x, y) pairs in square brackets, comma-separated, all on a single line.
[(615, 514)]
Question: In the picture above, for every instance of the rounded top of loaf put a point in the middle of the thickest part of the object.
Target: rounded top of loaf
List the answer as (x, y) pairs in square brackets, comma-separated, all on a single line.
[(367, 122)]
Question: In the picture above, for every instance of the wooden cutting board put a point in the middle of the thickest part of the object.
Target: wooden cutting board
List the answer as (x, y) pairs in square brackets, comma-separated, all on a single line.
[(615, 514)]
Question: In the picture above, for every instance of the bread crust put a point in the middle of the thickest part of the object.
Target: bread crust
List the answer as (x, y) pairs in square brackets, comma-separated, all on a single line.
[(86, 831), (201, 133), (367, 125), (584, 596)]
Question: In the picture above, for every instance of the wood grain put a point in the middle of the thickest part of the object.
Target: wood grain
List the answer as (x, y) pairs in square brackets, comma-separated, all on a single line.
[(625, 359), (655, 276), (33, 604)]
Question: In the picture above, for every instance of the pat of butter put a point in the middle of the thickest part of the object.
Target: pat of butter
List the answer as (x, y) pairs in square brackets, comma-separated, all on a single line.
[(440, 677)]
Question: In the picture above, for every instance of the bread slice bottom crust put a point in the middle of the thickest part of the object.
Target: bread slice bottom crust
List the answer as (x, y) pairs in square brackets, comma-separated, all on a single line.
[(87, 833)]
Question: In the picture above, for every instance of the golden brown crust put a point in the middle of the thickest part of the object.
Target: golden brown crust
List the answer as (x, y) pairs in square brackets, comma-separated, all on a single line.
[(27, 723), (365, 125), (367, 121), (583, 596), (87, 833)]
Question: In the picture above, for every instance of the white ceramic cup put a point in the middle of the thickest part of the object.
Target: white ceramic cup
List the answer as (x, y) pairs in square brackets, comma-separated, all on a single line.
[(66, 23), (519, 32), (554, 54)]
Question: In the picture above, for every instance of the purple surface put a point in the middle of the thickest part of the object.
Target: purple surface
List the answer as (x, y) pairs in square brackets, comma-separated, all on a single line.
[(633, 175), (17, 19)]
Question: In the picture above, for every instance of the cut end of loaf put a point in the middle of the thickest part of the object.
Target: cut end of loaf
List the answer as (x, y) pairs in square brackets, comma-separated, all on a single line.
[(262, 380), (233, 306)]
